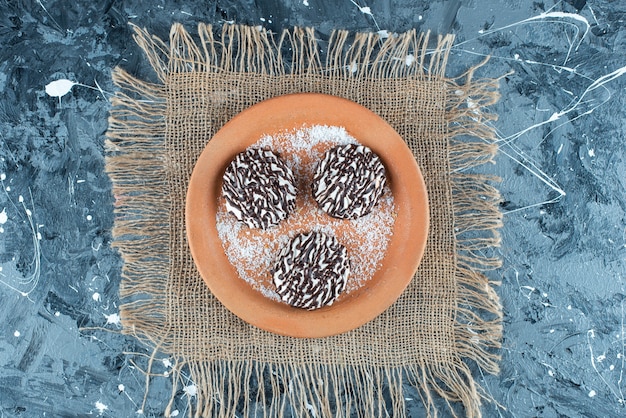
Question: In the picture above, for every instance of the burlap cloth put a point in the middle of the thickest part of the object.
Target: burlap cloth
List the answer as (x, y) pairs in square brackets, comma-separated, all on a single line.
[(448, 316)]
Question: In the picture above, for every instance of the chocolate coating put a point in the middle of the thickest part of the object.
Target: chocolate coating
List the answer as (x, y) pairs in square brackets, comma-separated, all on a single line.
[(311, 271), (259, 188), (349, 181)]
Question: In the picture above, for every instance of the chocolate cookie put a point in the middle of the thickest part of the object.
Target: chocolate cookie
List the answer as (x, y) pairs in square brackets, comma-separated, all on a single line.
[(349, 181), (311, 271), (259, 188)]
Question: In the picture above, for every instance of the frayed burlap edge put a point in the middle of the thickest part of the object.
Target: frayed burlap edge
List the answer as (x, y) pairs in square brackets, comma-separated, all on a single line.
[(137, 164), (477, 220)]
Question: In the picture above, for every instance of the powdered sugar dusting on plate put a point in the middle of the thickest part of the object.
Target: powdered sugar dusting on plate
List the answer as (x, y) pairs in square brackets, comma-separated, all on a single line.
[(253, 252)]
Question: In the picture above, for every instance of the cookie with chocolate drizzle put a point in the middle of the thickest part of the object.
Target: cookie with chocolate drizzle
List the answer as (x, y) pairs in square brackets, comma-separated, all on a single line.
[(259, 188), (348, 181), (311, 271)]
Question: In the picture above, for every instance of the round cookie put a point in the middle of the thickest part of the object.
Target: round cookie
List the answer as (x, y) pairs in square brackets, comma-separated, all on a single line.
[(259, 188), (311, 271), (348, 181)]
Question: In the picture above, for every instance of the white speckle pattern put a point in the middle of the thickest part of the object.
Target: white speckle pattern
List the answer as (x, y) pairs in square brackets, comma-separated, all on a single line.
[(59, 88), (114, 319), (101, 407), (191, 390)]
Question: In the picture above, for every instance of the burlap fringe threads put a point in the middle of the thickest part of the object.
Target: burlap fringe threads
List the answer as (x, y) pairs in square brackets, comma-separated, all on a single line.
[(135, 151)]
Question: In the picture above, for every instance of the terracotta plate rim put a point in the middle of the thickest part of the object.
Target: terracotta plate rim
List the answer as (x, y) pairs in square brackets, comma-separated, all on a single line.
[(404, 252)]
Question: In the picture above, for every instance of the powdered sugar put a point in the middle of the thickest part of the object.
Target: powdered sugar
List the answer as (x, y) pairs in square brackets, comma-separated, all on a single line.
[(303, 148), (253, 252)]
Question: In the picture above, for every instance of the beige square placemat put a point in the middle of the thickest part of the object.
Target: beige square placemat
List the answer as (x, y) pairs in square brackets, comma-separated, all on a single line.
[(448, 314)]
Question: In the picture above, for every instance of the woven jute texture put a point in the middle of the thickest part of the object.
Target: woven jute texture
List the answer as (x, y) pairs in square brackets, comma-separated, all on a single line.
[(449, 315)]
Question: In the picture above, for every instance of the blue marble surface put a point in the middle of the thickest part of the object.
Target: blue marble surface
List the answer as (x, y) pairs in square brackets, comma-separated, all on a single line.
[(561, 125)]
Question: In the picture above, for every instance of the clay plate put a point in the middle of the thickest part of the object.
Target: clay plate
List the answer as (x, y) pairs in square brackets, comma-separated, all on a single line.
[(404, 251)]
